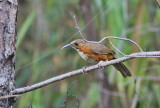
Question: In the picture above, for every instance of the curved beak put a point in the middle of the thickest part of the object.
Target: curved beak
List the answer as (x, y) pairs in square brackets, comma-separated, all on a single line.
[(68, 45)]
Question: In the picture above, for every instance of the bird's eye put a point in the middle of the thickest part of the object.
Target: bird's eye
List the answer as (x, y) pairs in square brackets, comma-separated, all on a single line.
[(75, 43)]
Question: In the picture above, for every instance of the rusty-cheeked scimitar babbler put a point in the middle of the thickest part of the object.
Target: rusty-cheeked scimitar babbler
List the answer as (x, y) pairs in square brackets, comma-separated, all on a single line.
[(96, 52)]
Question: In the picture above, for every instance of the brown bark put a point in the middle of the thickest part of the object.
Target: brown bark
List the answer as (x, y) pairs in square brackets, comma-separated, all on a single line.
[(92, 34), (8, 15)]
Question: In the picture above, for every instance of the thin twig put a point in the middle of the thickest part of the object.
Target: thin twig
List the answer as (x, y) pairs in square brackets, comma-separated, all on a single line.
[(78, 28), (112, 37), (82, 70), (157, 2), (116, 48), (8, 96), (108, 37)]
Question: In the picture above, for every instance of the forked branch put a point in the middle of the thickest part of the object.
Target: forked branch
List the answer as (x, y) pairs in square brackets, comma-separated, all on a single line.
[(82, 70)]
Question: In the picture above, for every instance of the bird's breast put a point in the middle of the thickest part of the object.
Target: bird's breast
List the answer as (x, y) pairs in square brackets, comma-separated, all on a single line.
[(94, 58), (86, 57)]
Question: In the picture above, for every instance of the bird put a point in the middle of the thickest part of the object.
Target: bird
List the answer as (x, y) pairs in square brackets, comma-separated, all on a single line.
[(93, 52)]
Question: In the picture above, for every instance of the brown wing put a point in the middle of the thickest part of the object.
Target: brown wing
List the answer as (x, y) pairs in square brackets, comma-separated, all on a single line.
[(102, 49)]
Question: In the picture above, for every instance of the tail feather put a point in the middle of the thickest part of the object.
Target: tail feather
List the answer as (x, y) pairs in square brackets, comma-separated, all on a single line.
[(123, 69)]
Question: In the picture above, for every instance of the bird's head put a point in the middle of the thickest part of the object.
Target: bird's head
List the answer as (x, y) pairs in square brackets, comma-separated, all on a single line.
[(75, 44)]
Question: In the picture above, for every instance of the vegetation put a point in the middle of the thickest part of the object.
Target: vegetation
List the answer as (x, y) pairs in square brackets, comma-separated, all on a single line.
[(44, 26)]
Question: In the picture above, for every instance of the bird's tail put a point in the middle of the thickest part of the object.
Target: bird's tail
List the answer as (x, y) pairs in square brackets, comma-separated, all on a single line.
[(123, 69)]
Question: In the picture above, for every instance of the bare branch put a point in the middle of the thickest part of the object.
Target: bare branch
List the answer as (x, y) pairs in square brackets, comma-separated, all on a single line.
[(78, 28), (116, 48), (8, 96), (112, 37), (81, 71)]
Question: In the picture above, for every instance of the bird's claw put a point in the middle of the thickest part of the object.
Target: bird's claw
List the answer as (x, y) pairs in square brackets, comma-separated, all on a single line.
[(84, 70), (99, 64)]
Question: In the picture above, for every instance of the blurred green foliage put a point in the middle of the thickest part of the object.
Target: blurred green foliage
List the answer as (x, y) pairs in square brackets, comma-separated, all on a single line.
[(44, 26)]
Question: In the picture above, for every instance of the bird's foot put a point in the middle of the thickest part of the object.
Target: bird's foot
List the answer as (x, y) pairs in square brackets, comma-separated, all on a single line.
[(99, 64), (84, 70)]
